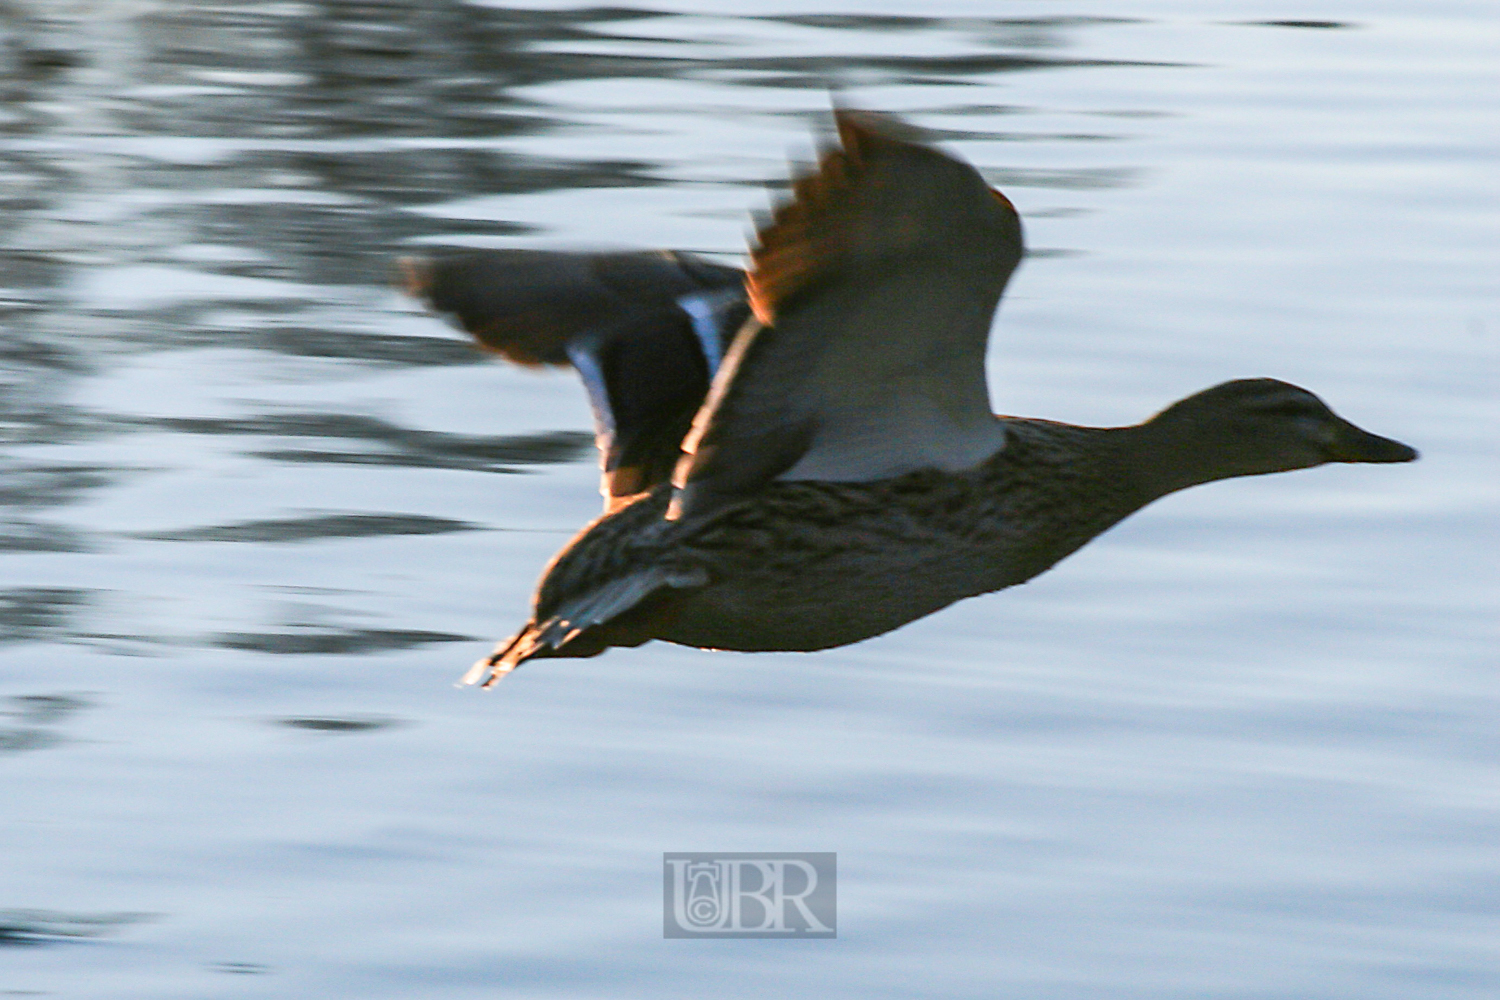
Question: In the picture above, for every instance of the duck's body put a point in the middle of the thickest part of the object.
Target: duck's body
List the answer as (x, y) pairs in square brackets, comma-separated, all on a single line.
[(808, 565), (843, 475)]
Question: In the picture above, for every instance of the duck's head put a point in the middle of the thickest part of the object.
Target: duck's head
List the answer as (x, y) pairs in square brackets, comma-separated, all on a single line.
[(1257, 425)]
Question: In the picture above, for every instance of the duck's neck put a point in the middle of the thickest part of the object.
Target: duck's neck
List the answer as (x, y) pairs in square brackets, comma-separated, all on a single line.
[(1164, 456), (1102, 474), (1156, 459), (1058, 485)]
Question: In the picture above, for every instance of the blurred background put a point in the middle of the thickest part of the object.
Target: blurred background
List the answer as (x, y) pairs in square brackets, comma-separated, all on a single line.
[(258, 512)]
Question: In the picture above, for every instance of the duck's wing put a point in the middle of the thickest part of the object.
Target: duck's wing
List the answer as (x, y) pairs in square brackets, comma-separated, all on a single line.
[(874, 288), (646, 331)]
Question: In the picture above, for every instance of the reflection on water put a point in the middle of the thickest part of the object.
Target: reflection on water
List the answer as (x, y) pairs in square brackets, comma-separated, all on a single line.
[(1304, 24), (34, 720), (30, 613), (314, 639), (398, 445), (1237, 749), (45, 709), (340, 725), (23, 536), (301, 529), (35, 927)]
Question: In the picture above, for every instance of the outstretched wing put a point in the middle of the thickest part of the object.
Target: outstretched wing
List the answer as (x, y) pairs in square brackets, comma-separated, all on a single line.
[(874, 288), (646, 331)]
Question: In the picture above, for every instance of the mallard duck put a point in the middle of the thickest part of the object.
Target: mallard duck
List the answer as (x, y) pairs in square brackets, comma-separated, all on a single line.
[(804, 456)]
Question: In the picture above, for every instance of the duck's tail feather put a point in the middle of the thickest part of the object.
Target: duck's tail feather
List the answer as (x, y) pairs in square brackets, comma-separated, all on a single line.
[(499, 663), (580, 626)]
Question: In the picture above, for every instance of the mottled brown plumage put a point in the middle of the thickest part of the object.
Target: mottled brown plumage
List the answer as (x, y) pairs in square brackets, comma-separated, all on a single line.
[(811, 565)]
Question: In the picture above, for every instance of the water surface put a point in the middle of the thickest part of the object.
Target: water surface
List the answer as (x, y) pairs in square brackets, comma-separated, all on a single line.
[(257, 513)]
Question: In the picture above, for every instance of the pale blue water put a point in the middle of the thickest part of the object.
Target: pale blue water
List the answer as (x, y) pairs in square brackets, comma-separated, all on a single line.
[(260, 512)]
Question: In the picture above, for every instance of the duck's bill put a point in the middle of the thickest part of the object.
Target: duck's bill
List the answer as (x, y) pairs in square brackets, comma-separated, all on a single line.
[(1356, 445)]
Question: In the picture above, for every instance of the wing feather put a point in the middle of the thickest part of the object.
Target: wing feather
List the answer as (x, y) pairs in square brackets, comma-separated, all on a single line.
[(644, 330), (873, 290)]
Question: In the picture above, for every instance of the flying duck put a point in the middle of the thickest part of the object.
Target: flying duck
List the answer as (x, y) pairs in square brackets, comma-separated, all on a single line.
[(803, 455)]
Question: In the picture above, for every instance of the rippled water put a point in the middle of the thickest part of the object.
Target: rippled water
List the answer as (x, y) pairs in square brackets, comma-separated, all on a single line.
[(257, 512)]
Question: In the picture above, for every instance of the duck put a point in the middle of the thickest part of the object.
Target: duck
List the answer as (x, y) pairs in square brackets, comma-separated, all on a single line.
[(803, 455)]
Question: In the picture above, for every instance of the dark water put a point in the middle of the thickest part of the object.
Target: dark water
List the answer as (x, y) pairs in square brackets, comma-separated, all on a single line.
[(257, 513)]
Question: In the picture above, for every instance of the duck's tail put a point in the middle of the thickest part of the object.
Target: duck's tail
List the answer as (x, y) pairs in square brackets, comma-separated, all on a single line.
[(586, 625), (506, 657)]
